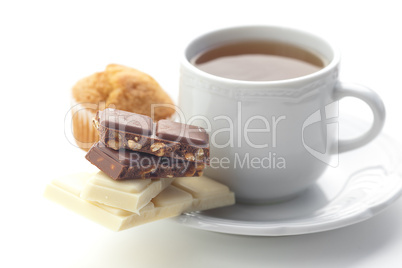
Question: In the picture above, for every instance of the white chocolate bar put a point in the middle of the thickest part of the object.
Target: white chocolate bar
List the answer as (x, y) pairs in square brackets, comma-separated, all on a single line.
[(169, 203), (130, 195)]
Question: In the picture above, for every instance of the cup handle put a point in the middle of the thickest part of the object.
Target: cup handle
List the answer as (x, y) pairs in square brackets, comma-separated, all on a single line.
[(374, 102)]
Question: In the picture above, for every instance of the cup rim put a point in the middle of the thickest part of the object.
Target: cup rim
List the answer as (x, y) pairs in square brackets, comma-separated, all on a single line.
[(222, 80)]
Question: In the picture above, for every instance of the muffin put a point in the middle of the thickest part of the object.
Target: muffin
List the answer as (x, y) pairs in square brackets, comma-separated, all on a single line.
[(118, 87)]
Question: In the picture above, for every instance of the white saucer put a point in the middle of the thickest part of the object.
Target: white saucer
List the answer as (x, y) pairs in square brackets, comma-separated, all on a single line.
[(366, 181)]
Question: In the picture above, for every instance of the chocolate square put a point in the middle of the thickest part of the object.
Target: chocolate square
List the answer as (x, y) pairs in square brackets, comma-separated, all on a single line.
[(187, 134), (126, 121)]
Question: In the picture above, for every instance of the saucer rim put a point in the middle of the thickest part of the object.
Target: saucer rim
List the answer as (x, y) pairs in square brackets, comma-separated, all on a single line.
[(268, 228)]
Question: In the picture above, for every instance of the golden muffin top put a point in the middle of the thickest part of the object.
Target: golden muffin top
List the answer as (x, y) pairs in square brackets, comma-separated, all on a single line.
[(123, 88)]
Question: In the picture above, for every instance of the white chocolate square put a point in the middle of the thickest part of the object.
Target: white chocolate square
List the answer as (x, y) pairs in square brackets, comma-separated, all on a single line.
[(200, 186), (130, 195), (206, 192)]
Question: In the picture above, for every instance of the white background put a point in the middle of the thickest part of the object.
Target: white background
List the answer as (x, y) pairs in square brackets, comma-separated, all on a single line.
[(46, 46)]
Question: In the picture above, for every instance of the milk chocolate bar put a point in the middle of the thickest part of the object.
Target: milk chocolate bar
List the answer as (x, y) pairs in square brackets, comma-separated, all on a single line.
[(125, 164), (120, 129), (130, 195), (197, 194)]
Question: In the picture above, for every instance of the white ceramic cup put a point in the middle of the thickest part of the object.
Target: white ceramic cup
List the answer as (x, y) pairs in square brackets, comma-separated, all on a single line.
[(271, 140)]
